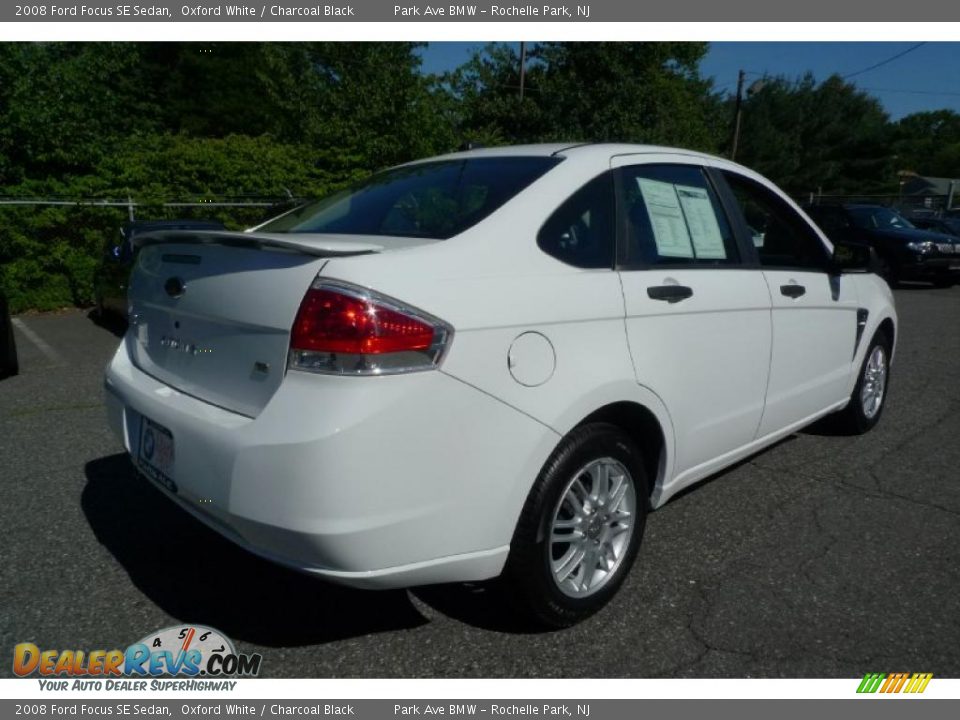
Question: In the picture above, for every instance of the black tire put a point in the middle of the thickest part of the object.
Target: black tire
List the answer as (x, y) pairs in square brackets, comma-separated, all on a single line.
[(943, 281), (9, 365), (99, 312), (853, 419), (890, 273), (529, 570)]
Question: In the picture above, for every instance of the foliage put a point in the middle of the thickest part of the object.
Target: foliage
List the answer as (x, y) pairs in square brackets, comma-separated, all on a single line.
[(928, 143), (605, 91), (805, 136), (187, 122), (192, 121)]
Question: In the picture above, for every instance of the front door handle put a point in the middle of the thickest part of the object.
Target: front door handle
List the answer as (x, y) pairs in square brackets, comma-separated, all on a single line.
[(793, 291), (669, 293)]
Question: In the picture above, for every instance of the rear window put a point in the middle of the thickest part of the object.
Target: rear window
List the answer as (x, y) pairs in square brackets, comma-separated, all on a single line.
[(434, 200)]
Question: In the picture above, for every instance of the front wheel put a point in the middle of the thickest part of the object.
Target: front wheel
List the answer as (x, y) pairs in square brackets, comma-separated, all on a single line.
[(581, 526), (890, 273), (868, 398)]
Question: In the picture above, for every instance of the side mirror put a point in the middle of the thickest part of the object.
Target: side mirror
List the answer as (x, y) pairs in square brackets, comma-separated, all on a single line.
[(853, 257)]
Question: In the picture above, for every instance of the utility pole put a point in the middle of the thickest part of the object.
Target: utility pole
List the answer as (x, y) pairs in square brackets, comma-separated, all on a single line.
[(523, 66), (736, 117)]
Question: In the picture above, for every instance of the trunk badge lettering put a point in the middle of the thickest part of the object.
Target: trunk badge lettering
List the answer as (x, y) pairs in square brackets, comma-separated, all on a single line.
[(175, 343)]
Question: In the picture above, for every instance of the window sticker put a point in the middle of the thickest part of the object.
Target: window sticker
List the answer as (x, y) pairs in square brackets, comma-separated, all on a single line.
[(701, 222), (666, 217)]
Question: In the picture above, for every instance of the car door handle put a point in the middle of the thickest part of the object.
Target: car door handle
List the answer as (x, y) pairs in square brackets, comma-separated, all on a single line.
[(793, 291), (669, 293)]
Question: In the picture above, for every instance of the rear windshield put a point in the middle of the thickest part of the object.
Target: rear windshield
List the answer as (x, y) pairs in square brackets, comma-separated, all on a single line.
[(434, 200)]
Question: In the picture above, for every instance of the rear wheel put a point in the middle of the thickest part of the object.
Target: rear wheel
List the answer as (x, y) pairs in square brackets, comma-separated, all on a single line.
[(870, 394), (581, 526)]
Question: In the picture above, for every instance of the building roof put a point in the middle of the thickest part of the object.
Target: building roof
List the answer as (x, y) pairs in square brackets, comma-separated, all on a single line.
[(919, 185)]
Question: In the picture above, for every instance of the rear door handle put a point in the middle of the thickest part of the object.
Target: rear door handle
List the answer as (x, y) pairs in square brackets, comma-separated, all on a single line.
[(793, 291), (669, 293)]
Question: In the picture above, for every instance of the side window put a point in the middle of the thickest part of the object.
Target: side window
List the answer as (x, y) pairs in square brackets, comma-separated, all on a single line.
[(673, 217), (831, 220), (581, 231), (781, 236)]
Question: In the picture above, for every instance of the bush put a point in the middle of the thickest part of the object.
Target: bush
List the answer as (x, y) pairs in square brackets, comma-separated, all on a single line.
[(49, 254)]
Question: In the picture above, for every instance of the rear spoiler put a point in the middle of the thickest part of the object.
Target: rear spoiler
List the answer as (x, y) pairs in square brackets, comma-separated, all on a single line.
[(304, 244)]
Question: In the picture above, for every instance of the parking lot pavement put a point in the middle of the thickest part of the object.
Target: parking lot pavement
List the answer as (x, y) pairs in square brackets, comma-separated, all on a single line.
[(821, 557)]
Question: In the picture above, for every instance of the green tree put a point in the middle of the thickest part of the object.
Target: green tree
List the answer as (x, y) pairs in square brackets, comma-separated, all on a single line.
[(607, 91), (67, 105), (807, 136), (367, 102), (928, 143)]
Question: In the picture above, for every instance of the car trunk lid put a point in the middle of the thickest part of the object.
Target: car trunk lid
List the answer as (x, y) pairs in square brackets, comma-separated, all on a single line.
[(211, 312)]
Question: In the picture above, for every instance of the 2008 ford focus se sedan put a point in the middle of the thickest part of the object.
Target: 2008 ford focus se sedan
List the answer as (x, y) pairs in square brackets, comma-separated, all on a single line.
[(491, 363)]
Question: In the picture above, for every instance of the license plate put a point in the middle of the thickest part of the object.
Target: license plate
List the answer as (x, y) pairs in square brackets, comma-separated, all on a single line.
[(155, 456)]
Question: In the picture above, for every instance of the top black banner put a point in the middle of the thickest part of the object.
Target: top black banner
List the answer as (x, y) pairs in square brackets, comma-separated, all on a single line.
[(418, 11)]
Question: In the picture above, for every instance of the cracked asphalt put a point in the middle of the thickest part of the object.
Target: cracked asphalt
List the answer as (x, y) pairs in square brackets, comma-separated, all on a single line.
[(823, 556)]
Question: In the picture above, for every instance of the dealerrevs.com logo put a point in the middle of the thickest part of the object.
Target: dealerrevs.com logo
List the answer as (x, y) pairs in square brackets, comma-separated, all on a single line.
[(183, 651), (910, 683)]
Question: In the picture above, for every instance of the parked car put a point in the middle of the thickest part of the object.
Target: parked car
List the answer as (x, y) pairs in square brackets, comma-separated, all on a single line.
[(905, 251), (110, 282), (945, 225), (491, 363), (9, 365)]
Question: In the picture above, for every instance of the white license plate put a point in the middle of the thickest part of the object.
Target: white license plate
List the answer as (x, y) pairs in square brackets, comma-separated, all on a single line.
[(155, 456)]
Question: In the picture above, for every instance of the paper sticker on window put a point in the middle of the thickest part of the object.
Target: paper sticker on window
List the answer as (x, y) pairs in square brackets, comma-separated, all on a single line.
[(666, 217), (701, 222)]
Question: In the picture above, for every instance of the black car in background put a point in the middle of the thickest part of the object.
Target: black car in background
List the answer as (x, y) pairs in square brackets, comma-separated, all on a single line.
[(8, 347), (946, 225), (905, 251), (110, 284)]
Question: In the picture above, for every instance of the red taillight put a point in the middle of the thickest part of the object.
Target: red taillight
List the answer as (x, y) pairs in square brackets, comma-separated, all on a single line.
[(329, 321), (343, 329)]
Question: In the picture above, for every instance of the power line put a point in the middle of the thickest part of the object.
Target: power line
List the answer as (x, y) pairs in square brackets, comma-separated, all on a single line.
[(884, 62)]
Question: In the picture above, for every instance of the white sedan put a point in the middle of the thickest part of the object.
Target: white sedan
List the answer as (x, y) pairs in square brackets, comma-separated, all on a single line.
[(491, 363)]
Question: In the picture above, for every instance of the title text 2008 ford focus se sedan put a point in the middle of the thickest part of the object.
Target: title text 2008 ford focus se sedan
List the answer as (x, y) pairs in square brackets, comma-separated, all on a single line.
[(492, 362)]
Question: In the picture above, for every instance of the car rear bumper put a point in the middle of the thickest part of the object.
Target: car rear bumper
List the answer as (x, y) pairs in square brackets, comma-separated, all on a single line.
[(374, 482)]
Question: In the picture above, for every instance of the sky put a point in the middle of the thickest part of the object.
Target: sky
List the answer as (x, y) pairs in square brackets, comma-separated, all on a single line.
[(927, 78)]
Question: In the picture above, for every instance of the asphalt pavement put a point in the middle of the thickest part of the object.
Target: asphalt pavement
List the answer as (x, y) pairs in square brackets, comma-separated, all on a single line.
[(823, 556)]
